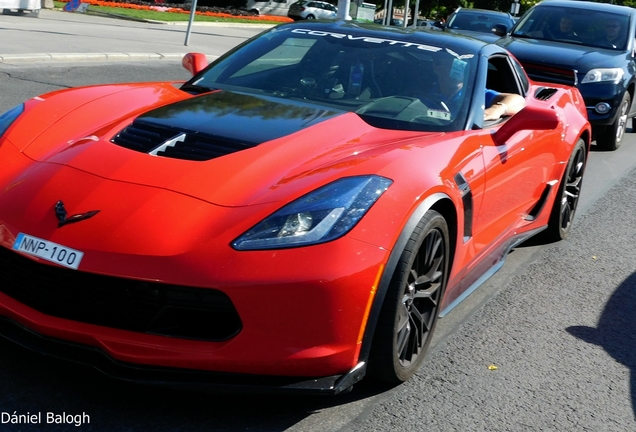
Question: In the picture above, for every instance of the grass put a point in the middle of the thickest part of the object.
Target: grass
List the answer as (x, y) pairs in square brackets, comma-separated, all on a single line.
[(155, 15)]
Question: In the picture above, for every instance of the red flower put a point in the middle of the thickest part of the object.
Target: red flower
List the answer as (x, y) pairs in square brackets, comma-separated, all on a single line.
[(266, 18)]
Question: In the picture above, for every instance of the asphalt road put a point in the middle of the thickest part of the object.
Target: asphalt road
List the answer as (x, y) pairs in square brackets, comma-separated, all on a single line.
[(558, 322), (58, 35)]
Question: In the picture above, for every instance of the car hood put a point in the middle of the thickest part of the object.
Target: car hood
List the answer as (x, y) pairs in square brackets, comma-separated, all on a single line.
[(264, 144), (568, 56), (482, 36)]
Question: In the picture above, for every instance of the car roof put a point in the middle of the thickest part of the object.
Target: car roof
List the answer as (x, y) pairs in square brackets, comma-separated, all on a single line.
[(483, 11), (390, 33), (581, 4)]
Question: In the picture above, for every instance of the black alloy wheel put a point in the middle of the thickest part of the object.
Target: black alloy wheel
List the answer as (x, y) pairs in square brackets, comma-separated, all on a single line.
[(412, 303), (612, 137), (567, 198)]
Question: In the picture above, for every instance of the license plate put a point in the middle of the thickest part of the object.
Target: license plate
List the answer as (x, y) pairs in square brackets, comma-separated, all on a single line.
[(48, 251)]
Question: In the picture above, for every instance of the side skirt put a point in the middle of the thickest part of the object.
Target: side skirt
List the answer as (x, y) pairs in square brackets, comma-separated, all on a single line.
[(512, 243)]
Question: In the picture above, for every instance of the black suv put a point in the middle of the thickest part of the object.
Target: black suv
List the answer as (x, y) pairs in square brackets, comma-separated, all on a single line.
[(587, 45), (477, 22)]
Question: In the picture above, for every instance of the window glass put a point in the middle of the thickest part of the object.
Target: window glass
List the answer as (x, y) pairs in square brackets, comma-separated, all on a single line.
[(291, 51), (391, 83), (576, 26), (474, 21)]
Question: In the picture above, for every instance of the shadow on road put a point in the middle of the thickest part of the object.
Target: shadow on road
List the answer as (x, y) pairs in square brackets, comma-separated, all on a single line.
[(33, 383), (616, 330)]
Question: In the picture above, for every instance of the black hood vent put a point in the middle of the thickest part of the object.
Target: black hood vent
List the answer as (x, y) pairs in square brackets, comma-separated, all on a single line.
[(149, 138), (217, 124)]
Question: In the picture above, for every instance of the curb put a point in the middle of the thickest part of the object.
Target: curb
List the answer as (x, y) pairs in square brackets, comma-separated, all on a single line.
[(183, 23), (195, 22), (74, 57)]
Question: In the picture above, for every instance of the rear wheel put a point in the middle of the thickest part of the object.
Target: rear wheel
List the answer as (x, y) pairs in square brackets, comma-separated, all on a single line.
[(567, 198), (310, 17), (612, 137), (412, 302)]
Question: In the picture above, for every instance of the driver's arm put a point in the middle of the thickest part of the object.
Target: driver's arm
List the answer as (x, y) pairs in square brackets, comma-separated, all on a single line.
[(504, 104)]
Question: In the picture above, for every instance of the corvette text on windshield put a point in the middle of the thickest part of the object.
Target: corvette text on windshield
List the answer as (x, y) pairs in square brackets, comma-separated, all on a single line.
[(367, 39)]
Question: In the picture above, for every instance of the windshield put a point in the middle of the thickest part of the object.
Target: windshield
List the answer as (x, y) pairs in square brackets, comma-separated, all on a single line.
[(480, 22), (575, 26), (390, 83)]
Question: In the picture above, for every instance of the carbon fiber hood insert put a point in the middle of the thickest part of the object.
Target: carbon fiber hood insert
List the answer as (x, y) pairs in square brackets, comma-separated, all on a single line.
[(216, 124)]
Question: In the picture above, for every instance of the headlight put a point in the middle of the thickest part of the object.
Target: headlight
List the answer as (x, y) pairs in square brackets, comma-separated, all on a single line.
[(9, 117), (601, 75), (320, 216)]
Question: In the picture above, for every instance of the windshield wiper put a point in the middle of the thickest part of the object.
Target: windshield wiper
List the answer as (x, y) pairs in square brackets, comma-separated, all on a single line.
[(195, 88), (521, 35)]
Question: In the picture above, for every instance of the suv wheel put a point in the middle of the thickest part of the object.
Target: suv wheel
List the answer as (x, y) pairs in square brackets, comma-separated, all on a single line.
[(612, 136)]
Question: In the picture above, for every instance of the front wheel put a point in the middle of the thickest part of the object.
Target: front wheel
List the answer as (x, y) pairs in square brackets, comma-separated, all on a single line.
[(410, 309), (612, 137), (567, 198)]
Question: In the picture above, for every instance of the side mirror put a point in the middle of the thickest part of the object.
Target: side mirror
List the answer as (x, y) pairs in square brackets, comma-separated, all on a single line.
[(194, 62), (529, 118), (500, 29)]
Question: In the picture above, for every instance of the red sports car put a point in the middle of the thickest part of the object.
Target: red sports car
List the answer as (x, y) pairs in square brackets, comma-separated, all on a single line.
[(293, 218)]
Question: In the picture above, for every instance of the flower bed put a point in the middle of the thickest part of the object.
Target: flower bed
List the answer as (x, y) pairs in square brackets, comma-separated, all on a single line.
[(185, 9)]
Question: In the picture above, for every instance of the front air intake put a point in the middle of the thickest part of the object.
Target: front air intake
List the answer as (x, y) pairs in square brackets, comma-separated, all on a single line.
[(126, 304)]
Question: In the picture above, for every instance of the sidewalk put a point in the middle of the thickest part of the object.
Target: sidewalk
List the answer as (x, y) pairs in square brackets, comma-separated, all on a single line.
[(55, 35)]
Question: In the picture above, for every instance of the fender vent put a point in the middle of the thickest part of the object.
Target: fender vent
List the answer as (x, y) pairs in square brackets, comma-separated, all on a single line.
[(544, 93), (467, 199)]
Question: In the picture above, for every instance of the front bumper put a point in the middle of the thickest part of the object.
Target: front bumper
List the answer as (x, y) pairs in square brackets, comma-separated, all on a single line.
[(298, 317), (210, 382), (595, 93)]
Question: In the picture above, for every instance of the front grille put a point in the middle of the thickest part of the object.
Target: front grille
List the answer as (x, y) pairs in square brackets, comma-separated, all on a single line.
[(544, 73), (195, 146), (127, 304)]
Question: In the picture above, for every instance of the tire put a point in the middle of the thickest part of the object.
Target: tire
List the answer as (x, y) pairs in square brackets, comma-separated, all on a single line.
[(410, 309), (568, 195), (612, 137), (310, 17)]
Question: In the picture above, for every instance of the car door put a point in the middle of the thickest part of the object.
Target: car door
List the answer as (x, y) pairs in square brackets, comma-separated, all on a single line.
[(517, 170), (277, 7), (330, 10), (320, 11), (631, 61)]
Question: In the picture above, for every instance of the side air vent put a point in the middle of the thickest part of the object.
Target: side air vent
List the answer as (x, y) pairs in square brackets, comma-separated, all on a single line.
[(176, 143), (467, 200), (545, 93)]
